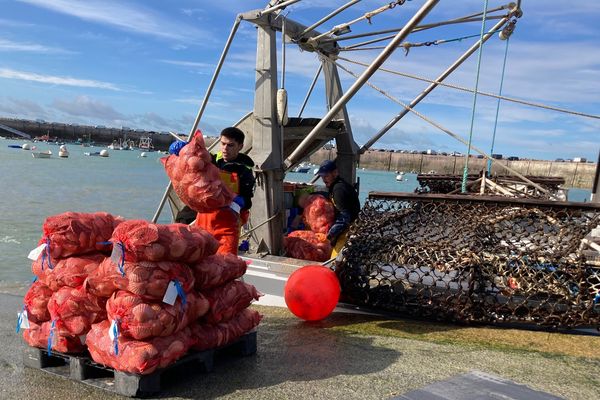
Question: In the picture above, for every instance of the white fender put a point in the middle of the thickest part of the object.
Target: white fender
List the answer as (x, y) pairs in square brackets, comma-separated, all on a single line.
[(282, 107)]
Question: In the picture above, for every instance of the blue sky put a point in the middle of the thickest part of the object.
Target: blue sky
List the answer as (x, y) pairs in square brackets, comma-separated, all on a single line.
[(147, 64)]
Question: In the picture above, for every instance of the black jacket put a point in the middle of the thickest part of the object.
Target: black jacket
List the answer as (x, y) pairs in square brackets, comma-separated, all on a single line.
[(242, 166), (347, 207)]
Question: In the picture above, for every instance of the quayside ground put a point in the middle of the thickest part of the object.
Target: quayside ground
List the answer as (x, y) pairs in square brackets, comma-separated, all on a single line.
[(350, 356)]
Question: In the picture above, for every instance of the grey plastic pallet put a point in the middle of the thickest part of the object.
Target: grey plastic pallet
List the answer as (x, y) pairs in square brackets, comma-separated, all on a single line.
[(82, 368)]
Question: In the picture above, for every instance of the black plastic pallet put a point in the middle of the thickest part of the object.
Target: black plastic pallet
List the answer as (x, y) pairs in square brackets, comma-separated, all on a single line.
[(82, 368)]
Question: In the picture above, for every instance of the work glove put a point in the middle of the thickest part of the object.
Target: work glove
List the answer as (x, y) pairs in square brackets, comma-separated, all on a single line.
[(237, 204), (176, 147)]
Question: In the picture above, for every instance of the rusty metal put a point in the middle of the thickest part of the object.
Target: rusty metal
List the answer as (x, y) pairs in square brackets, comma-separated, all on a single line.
[(444, 183), (473, 259)]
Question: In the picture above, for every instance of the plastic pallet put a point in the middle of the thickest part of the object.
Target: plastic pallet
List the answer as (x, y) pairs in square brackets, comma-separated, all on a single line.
[(82, 368)]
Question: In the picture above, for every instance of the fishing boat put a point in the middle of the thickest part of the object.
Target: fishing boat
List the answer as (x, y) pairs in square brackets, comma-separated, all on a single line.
[(424, 240), (303, 168), (41, 154)]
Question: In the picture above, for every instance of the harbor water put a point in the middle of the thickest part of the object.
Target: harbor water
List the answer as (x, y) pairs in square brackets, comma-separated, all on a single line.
[(123, 184)]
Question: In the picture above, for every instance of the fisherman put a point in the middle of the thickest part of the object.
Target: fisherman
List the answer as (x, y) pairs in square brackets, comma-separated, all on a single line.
[(345, 200), (236, 172)]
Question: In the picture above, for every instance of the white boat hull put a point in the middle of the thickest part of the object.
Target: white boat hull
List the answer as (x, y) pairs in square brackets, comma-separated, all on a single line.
[(42, 154)]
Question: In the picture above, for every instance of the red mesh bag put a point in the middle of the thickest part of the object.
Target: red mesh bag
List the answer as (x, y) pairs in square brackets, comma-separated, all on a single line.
[(228, 300), (36, 302), (144, 241), (318, 214), (207, 336), (147, 279), (307, 245), (75, 310), (136, 356), (140, 320), (196, 179), (73, 233), (218, 269), (37, 336), (70, 271)]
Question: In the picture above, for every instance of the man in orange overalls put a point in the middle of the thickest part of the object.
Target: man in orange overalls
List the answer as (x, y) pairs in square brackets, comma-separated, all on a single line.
[(236, 172)]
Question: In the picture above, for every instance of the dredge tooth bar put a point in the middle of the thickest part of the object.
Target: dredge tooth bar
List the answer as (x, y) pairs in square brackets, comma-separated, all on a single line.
[(473, 259)]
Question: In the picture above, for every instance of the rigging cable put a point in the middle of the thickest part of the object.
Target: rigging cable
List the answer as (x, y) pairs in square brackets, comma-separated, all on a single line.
[(445, 130), (489, 161), (464, 89), (480, 52)]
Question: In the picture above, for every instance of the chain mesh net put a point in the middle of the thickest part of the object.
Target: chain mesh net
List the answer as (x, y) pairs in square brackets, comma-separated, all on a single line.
[(473, 259)]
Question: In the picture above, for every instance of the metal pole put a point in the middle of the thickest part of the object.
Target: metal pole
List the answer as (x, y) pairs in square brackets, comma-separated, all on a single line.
[(278, 6), (162, 203), (419, 15), (328, 17), (433, 85), (283, 54), (312, 86), (596, 188), (213, 80)]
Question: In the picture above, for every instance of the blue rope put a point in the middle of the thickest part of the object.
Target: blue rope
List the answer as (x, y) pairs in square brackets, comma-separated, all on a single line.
[(115, 332), (51, 337), (489, 163), (466, 169), (180, 292)]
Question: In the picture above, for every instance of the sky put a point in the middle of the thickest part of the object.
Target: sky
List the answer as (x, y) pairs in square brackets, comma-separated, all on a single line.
[(147, 65)]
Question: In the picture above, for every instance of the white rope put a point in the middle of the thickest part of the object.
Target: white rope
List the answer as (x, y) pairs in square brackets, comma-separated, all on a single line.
[(449, 85), (445, 130)]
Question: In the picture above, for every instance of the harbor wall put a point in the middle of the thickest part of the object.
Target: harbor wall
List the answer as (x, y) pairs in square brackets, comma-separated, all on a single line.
[(97, 134), (577, 175)]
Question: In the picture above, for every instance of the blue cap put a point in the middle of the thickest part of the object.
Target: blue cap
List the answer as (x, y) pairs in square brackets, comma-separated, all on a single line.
[(326, 167)]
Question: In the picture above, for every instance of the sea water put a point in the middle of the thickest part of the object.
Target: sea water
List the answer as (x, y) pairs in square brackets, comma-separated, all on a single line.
[(122, 184)]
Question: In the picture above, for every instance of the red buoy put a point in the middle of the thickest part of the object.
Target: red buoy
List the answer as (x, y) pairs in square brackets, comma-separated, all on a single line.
[(312, 292)]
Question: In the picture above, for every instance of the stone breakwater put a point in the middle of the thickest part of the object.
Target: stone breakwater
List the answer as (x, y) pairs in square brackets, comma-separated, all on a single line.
[(576, 175)]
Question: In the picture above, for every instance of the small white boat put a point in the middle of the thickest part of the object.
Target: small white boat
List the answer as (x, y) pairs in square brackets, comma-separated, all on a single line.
[(41, 154), (400, 177), (143, 154), (103, 153)]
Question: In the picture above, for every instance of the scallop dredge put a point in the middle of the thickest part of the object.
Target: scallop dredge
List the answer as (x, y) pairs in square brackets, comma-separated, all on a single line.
[(472, 258)]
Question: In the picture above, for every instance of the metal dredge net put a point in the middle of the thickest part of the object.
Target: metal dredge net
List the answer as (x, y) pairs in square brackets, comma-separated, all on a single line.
[(473, 259)]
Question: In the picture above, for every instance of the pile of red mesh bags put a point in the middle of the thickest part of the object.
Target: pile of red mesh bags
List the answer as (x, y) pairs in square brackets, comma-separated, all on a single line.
[(144, 241), (161, 292), (307, 245), (147, 279), (141, 328), (196, 179), (318, 214), (57, 305), (136, 356)]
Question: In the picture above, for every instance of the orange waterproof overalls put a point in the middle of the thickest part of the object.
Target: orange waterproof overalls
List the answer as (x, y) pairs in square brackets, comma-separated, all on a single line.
[(224, 223)]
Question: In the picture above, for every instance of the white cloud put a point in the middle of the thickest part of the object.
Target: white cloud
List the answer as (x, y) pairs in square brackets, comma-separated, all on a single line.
[(126, 17), (56, 80), (192, 64), (8, 45), (84, 106)]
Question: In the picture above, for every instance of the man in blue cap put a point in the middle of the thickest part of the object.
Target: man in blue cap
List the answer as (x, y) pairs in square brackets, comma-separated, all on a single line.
[(345, 199)]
